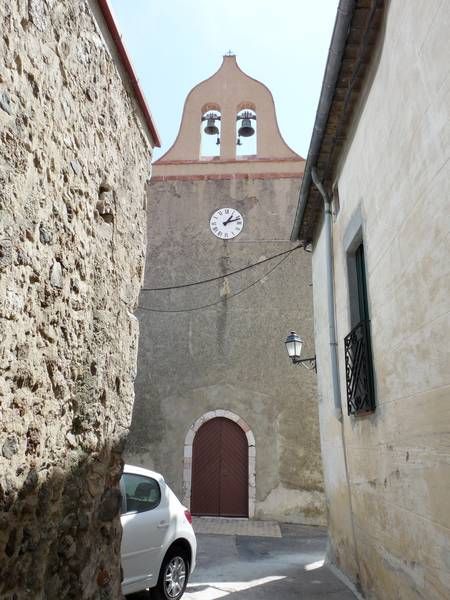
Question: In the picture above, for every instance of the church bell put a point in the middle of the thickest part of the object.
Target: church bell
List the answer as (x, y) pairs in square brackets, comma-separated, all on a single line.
[(211, 127), (246, 128)]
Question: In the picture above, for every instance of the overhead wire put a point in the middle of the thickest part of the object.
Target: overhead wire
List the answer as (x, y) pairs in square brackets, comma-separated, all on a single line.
[(185, 285), (160, 310)]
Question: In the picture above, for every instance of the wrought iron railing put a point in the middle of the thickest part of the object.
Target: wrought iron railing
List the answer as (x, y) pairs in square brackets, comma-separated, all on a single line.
[(359, 371)]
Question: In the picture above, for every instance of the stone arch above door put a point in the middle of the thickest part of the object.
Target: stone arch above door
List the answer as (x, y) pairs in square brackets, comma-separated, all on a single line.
[(187, 461)]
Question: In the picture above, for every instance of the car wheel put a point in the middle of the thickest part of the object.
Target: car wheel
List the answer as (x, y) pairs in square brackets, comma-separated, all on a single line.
[(172, 577)]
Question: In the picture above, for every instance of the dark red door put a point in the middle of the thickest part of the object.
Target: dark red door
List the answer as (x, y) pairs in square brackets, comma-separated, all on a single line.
[(220, 470)]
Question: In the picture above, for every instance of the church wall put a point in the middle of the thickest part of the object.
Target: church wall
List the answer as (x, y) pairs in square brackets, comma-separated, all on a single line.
[(230, 356)]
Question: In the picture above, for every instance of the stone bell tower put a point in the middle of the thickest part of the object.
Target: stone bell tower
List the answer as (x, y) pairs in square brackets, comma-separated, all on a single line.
[(229, 93), (219, 409)]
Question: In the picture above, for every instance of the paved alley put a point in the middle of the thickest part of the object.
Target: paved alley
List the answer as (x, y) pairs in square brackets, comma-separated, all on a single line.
[(243, 563), (254, 567)]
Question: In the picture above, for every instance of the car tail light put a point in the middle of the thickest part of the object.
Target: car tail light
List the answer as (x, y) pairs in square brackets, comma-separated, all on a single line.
[(188, 516)]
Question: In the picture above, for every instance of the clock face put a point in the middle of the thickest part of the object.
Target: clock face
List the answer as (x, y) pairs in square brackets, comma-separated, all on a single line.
[(226, 223)]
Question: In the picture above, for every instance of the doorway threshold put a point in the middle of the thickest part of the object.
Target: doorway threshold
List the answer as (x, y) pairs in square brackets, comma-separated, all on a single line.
[(236, 526)]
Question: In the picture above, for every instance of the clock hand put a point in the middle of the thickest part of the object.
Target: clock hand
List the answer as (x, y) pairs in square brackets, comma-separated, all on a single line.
[(229, 220)]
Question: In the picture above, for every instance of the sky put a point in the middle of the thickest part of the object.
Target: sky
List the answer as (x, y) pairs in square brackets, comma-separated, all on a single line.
[(175, 44)]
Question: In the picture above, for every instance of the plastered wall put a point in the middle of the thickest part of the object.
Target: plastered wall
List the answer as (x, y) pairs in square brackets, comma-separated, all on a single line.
[(392, 533)]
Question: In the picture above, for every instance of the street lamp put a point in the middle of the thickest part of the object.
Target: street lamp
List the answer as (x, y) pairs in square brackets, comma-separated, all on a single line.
[(294, 348)]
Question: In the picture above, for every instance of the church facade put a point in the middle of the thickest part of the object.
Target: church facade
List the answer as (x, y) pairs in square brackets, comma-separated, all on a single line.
[(219, 409)]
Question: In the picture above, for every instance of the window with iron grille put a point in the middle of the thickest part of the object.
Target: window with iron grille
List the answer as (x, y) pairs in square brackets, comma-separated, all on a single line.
[(358, 349)]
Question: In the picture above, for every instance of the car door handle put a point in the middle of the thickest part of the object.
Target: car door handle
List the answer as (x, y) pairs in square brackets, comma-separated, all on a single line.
[(163, 525)]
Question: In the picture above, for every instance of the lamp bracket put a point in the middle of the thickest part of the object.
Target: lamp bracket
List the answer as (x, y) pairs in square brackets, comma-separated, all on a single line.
[(308, 363)]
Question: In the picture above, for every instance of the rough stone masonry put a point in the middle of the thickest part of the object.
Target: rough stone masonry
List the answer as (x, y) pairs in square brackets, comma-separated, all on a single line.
[(74, 162)]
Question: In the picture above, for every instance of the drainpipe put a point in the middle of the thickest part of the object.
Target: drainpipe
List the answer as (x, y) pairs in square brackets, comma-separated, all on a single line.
[(333, 350), (330, 294)]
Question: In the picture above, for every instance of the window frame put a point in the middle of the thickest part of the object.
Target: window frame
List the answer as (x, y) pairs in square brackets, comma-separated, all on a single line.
[(360, 329), (125, 498)]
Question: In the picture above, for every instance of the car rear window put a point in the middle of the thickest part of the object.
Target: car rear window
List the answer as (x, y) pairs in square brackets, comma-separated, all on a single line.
[(141, 493)]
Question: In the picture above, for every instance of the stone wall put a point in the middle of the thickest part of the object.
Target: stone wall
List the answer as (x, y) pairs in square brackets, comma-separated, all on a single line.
[(390, 526), (73, 168), (230, 355)]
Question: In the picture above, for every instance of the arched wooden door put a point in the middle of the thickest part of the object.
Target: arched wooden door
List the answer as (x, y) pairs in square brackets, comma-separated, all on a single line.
[(220, 470)]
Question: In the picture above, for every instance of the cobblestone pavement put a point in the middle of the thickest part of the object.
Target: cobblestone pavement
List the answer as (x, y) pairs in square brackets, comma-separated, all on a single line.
[(237, 566)]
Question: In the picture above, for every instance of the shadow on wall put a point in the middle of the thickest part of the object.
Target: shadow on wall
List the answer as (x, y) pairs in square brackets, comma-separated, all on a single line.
[(60, 532)]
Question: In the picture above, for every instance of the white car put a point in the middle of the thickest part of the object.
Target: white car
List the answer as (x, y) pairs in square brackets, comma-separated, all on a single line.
[(158, 543)]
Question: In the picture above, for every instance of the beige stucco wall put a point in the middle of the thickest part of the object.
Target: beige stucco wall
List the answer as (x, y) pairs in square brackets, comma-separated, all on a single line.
[(227, 91), (333, 454), (395, 179)]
